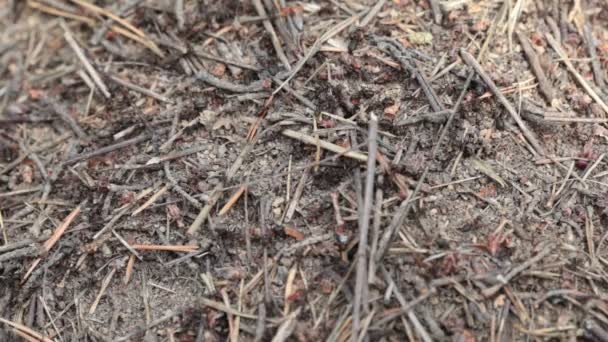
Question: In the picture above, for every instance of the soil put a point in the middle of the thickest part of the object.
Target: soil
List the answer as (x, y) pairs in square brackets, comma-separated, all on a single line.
[(205, 170)]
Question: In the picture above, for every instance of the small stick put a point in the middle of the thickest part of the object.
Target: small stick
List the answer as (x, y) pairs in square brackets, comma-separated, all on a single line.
[(490, 291), (204, 213), (25, 330), (85, 62), (176, 155), (398, 220), (361, 275), (259, 7), (46, 247), (596, 66), (70, 121), (371, 15), (581, 80), (126, 244), (545, 86), (291, 209), (221, 307), (315, 48), (107, 149), (104, 286), (307, 139), (139, 89), (129, 269), (151, 200), (232, 201), (436, 9), (170, 248), (179, 14), (470, 61)]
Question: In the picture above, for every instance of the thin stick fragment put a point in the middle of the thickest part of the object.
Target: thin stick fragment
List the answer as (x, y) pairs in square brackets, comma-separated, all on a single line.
[(22, 328), (151, 200), (361, 275), (324, 144), (372, 13), (470, 60), (204, 213), (85, 62), (179, 14), (170, 248), (139, 89), (221, 307), (259, 7), (107, 149), (104, 286), (490, 291), (232, 201), (544, 85), (127, 245), (579, 78), (315, 48), (398, 220), (596, 66)]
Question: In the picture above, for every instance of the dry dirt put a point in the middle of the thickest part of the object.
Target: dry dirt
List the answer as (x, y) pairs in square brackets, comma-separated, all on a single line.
[(197, 170)]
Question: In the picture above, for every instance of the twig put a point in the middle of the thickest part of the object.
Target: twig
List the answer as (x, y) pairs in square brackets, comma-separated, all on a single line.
[(436, 9), (596, 66), (315, 48), (127, 245), (470, 60), (291, 209), (179, 14), (68, 119), (545, 86), (176, 155), (221, 307), (204, 213), (490, 291), (139, 89), (177, 188), (232, 201), (151, 200), (170, 248), (25, 330), (424, 335), (398, 220), (104, 286), (85, 62), (46, 247), (361, 275), (259, 7), (444, 131), (371, 15), (580, 79), (107, 149), (307, 139)]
